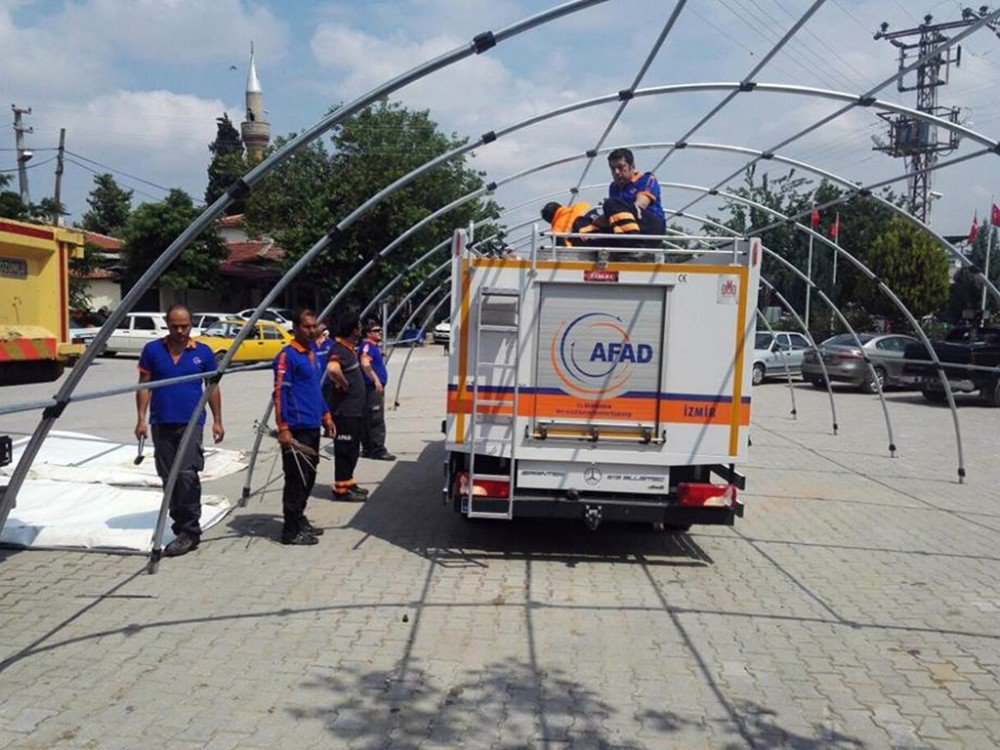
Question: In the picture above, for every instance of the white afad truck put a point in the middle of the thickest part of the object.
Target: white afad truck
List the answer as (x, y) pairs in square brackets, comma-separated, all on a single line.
[(601, 384)]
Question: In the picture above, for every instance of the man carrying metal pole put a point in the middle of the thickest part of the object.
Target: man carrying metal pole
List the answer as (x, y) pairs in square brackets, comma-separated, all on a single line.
[(299, 411), (171, 357)]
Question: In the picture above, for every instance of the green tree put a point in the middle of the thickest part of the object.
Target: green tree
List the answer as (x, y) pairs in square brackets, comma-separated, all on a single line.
[(110, 206), (966, 292), (150, 230), (862, 219), (317, 187), (913, 265), (228, 163), (11, 206)]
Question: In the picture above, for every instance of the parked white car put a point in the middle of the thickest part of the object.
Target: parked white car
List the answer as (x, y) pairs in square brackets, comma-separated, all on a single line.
[(280, 315), (136, 331), (202, 320), (442, 332), (771, 351)]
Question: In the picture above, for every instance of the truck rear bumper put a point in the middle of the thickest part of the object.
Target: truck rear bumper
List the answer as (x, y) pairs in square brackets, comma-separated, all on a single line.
[(611, 510)]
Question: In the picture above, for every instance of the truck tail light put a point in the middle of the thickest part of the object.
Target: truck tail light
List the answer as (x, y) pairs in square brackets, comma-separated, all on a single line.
[(706, 495), (484, 487)]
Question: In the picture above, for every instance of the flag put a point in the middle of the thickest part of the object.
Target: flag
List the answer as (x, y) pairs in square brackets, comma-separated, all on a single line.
[(814, 219), (835, 227), (974, 230), (995, 216)]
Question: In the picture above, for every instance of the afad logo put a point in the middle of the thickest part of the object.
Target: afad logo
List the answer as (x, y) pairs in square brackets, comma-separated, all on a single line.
[(594, 356)]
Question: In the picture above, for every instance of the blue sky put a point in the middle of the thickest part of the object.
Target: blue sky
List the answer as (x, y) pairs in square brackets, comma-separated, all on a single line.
[(138, 84)]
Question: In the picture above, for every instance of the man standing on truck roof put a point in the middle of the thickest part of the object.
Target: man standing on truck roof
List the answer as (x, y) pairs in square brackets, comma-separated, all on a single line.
[(172, 356), (633, 205), (345, 394), (300, 411)]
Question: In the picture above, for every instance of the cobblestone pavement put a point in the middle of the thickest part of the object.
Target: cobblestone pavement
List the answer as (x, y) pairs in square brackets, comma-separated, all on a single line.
[(855, 606)]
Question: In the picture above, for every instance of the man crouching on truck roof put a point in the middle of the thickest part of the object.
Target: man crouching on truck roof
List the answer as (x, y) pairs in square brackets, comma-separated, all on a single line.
[(633, 205), (579, 218)]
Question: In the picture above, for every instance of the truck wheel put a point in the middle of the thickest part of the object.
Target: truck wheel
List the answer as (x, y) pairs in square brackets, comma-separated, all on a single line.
[(935, 397), (991, 394), (108, 353), (758, 374), (677, 528), (869, 385), (219, 356)]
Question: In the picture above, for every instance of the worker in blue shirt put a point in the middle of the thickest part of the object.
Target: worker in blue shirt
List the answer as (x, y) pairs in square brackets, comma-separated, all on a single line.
[(376, 379), (634, 204), (300, 411), (170, 357)]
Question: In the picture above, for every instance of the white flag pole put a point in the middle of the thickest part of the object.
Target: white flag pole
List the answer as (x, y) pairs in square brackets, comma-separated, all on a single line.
[(986, 263), (809, 265)]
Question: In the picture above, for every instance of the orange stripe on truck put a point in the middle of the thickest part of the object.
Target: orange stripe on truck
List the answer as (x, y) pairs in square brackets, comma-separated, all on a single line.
[(625, 409)]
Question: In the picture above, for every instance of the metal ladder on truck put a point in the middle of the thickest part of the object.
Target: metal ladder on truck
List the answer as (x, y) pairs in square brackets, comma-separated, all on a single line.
[(477, 434)]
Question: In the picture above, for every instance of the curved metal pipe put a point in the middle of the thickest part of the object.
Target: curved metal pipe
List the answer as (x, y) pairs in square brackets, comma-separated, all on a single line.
[(815, 348), (413, 292), (399, 277), (402, 373), (882, 287), (415, 313), (784, 361), (478, 45)]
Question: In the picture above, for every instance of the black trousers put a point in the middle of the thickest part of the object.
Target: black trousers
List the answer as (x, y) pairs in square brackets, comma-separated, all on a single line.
[(300, 476), (373, 427), (346, 447), (622, 218), (185, 502)]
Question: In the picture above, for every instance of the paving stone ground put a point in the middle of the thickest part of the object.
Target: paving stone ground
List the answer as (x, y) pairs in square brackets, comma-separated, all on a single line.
[(856, 605)]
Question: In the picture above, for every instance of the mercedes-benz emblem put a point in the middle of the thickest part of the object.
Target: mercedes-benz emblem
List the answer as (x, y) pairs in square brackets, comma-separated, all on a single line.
[(592, 475)]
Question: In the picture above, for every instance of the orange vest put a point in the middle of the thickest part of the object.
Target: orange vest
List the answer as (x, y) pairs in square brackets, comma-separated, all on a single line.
[(562, 222)]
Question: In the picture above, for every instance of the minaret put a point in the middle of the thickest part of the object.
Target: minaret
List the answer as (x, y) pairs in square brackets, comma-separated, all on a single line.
[(255, 129)]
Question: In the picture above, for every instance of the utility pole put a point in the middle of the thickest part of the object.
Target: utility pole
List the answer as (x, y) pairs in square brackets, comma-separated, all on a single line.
[(57, 193), (23, 154), (912, 139)]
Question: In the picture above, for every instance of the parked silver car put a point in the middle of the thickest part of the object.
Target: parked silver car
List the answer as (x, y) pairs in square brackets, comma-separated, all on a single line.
[(771, 351), (845, 362)]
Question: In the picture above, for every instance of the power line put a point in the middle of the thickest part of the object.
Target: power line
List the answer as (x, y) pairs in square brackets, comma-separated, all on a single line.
[(94, 171), (30, 166), (118, 171)]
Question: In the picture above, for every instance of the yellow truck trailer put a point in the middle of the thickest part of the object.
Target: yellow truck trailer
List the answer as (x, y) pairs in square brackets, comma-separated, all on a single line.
[(34, 301)]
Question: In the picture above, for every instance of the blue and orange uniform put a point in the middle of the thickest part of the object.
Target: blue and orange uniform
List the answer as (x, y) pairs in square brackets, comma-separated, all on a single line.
[(299, 407), (622, 213)]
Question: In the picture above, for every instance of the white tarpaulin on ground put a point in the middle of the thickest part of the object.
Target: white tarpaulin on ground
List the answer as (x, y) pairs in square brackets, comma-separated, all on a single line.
[(93, 516), (83, 492), (75, 457)]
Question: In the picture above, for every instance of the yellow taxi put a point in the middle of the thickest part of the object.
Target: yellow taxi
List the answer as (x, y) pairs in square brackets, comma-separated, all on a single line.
[(261, 346)]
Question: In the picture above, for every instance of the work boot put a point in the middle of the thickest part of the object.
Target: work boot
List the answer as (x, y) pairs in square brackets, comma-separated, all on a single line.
[(353, 495), (183, 544), (301, 539), (306, 525)]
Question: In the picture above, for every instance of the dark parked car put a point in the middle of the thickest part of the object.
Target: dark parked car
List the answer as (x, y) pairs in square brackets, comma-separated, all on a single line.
[(963, 346), (845, 361)]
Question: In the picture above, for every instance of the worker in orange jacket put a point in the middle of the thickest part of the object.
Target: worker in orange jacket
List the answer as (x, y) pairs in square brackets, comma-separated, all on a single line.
[(580, 218)]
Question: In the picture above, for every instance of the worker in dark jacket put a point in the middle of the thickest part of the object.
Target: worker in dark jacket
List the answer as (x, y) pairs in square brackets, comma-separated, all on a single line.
[(376, 379), (345, 395), (300, 411)]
